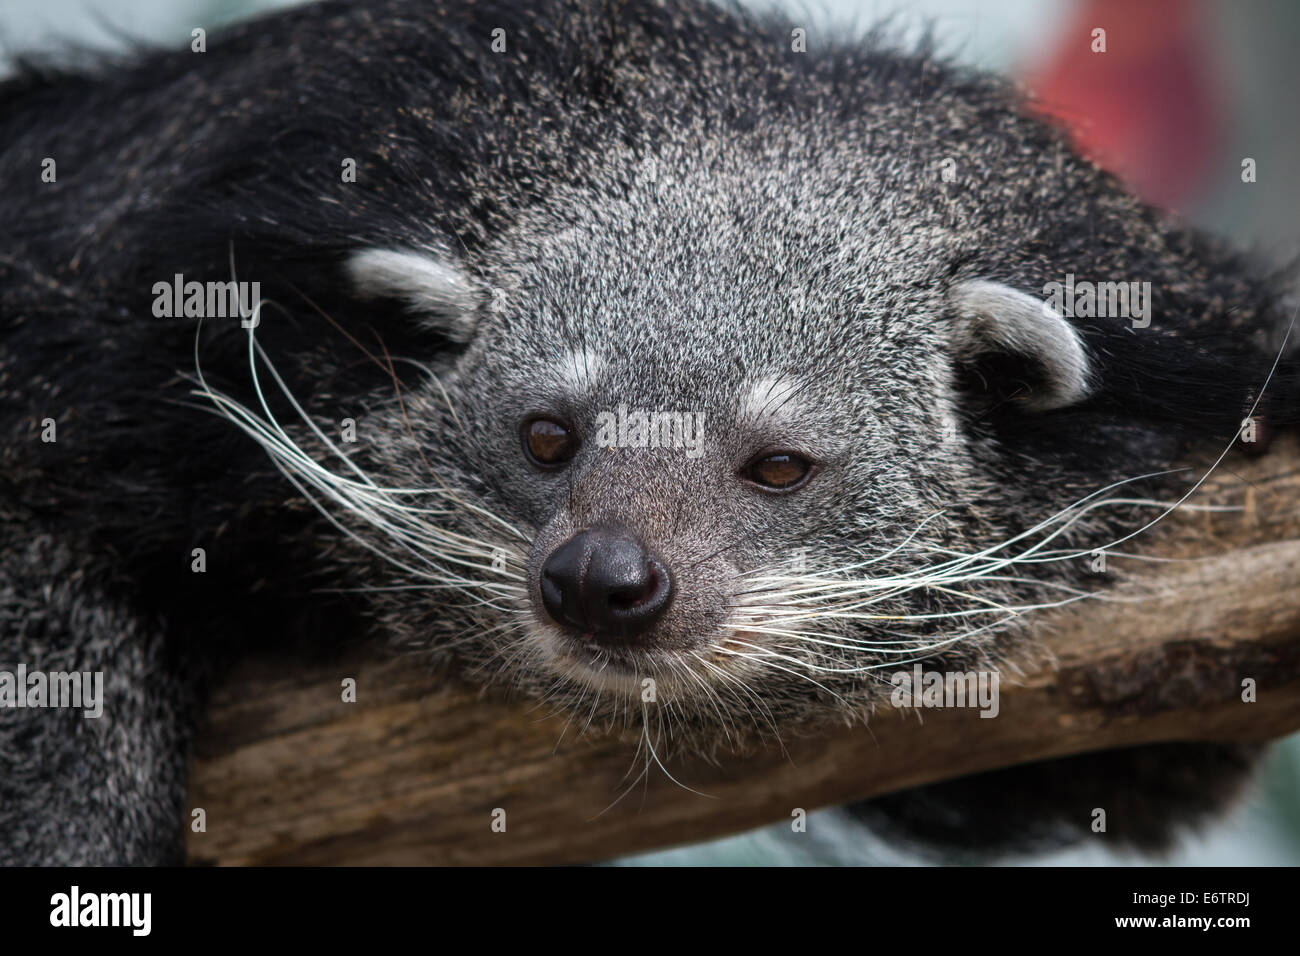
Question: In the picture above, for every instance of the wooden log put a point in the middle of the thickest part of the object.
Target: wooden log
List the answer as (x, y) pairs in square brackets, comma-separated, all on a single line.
[(412, 772)]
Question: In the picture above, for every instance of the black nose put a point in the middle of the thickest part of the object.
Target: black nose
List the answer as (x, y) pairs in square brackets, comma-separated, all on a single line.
[(606, 584)]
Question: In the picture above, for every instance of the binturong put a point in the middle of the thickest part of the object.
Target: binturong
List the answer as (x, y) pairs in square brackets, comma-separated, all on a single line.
[(588, 348)]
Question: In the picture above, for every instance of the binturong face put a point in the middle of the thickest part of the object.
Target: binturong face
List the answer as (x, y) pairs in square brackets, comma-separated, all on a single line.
[(705, 457)]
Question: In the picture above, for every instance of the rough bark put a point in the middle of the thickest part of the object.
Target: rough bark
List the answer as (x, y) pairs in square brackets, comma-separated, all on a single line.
[(412, 772)]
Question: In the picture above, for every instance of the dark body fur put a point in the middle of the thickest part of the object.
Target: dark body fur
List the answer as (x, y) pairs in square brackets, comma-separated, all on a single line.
[(177, 162)]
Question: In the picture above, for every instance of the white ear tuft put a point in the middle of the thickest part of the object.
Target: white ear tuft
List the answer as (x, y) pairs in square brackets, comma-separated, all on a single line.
[(431, 285), (997, 318)]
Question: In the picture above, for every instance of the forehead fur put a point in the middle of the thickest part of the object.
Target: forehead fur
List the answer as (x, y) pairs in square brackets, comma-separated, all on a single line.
[(728, 268)]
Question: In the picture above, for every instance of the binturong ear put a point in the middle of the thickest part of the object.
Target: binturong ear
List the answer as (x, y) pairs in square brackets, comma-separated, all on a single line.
[(431, 285), (1018, 346)]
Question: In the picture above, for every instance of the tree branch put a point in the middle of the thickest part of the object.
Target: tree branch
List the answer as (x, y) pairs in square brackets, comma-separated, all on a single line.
[(411, 773)]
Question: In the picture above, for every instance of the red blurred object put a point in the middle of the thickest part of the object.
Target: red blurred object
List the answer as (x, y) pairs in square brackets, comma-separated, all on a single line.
[(1144, 108)]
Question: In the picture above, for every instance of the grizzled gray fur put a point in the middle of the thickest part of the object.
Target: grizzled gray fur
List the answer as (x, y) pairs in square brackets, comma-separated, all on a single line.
[(633, 206)]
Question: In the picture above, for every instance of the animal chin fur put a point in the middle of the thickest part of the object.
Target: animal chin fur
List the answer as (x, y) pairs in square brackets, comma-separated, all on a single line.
[(656, 205)]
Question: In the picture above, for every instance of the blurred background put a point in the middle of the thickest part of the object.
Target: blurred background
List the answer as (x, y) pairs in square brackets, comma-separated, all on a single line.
[(1186, 90)]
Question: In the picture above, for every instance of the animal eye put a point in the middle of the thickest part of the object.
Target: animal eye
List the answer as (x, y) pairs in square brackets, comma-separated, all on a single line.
[(779, 471), (548, 443)]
